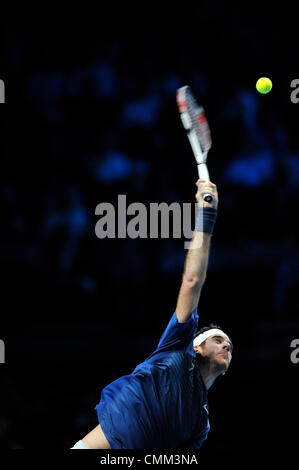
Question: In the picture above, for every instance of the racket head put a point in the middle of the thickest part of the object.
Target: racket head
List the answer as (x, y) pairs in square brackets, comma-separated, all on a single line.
[(193, 117)]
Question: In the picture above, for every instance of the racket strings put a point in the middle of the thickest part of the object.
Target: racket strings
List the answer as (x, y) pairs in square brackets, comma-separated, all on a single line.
[(188, 104), (200, 125)]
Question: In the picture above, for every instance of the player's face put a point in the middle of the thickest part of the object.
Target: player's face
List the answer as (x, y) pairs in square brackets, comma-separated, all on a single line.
[(219, 350)]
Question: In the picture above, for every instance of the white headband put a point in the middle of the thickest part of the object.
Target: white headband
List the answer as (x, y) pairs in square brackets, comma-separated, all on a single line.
[(203, 336)]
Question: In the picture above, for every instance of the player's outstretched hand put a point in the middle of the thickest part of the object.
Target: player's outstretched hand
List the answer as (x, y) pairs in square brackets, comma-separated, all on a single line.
[(206, 187)]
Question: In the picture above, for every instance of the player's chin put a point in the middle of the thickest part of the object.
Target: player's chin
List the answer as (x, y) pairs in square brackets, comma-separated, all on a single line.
[(223, 364)]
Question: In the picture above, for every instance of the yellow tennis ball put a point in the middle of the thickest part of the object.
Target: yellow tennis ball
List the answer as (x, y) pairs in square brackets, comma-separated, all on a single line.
[(264, 85)]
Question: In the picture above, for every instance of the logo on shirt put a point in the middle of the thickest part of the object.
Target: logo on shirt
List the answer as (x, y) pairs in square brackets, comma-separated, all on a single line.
[(206, 408)]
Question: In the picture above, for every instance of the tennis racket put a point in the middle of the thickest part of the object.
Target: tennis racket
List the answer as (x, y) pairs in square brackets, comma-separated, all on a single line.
[(195, 122)]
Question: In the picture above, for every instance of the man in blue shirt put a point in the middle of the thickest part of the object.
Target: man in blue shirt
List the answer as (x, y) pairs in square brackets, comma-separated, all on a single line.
[(163, 404)]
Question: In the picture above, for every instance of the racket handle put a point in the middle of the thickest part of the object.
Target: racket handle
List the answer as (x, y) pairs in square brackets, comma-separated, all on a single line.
[(203, 171)]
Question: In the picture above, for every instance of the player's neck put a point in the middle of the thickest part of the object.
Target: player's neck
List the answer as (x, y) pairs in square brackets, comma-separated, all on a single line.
[(207, 377), (208, 373)]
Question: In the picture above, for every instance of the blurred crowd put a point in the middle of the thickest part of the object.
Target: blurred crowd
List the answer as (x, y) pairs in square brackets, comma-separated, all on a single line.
[(91, 115)]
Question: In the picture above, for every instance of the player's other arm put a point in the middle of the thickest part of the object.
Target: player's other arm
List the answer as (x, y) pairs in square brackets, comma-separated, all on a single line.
[(197, 258)]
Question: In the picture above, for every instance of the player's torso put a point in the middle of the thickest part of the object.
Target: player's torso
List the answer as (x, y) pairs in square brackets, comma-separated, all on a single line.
[(175, 402)]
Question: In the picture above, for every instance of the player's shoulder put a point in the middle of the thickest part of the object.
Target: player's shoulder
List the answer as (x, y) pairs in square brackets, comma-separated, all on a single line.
[(170, 359)]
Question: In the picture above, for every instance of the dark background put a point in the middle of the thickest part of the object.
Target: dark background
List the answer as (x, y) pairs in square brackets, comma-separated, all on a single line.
[(90, 113)]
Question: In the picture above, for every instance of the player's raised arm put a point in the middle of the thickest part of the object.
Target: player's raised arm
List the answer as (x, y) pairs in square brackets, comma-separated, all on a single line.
[(197, 258)]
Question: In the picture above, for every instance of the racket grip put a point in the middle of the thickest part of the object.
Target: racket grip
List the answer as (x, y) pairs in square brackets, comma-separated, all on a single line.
[(203, 171)]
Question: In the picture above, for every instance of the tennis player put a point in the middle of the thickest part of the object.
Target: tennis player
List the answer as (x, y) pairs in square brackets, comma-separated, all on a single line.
[(163, 403)]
